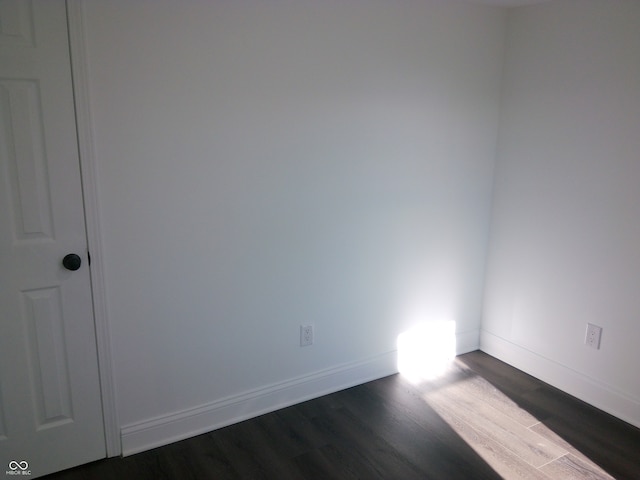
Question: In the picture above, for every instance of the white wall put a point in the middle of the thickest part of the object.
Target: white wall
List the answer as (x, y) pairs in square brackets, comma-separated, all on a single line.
[(263, 165), (565, 240)]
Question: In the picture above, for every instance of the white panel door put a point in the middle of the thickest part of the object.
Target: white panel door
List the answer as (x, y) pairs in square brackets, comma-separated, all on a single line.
[(50, 404)]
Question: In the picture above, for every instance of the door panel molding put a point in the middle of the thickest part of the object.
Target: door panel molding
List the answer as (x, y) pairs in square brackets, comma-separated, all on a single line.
[(48, 363), (16, 24), (79, 73), (23, 137)]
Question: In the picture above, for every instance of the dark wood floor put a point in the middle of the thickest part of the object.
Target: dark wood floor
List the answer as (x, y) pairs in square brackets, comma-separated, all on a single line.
[(482, 420)]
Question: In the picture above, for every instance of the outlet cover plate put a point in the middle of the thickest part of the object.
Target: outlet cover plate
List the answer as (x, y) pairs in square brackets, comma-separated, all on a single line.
[(306, 335), (592, 338)]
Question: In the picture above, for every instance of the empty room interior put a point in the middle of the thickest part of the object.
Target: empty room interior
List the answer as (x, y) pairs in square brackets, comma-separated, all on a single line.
[(284, 199)]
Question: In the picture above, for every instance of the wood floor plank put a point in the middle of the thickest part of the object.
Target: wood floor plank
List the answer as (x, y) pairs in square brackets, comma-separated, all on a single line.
[(607, 441), (387, 429), (491, 422), (570, 467), (332, 462), (433, 440), (251, 453), (480, 389), (502, 459), (546, 432), (584, 427), (508, 379), (429, 446)]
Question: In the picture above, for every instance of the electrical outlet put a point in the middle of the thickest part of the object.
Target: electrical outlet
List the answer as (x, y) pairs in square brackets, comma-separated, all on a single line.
[(306, 335), (592, 339)]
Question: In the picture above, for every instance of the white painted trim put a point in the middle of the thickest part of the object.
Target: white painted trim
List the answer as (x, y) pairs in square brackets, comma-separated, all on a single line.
[(189, 422), (77, 46), (587, 389)]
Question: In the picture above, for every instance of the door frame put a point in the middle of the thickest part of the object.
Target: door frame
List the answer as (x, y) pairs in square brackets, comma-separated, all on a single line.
[(86, 150)]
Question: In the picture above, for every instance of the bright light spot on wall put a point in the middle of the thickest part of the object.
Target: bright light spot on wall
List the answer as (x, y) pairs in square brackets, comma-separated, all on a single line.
[(426, 351)]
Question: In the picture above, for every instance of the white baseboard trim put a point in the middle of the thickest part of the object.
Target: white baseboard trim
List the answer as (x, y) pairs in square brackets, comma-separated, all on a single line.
[(187, 423), (587, 389)]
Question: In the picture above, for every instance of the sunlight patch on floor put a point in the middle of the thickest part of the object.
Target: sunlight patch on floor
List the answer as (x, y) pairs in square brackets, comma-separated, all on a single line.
[(511, 440)]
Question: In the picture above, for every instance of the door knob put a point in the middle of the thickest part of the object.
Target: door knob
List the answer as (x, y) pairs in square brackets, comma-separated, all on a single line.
[(71, 262)]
